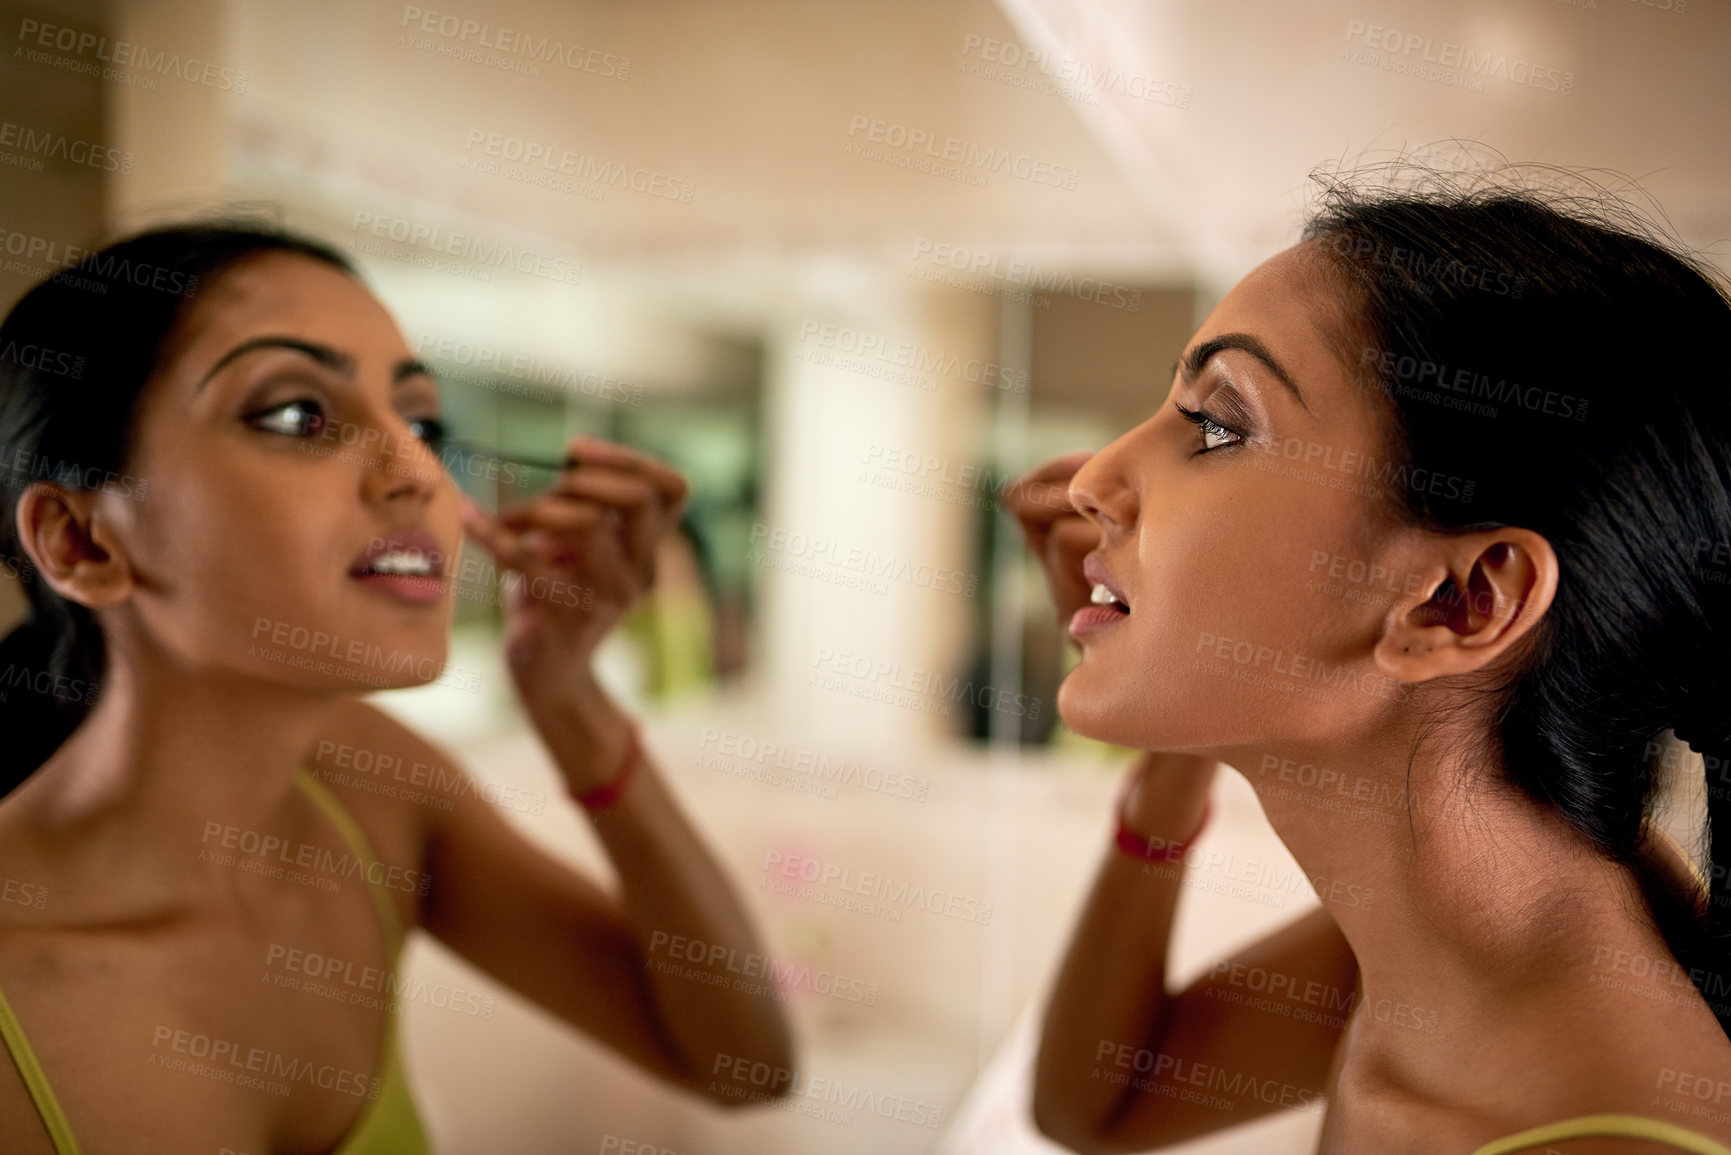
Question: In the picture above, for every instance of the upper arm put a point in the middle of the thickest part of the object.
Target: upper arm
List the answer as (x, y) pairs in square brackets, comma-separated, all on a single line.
[(527, 919), (1256, 1033)]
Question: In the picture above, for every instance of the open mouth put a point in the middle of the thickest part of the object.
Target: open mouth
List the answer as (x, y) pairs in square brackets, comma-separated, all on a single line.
[(1102, 596), (407, 565), (409, 562), (1105, 610)]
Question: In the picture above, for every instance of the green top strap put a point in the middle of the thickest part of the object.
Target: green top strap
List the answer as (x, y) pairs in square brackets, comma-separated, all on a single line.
[(1628, 1126), (53, 1118), (390, 1124), (351, 832)]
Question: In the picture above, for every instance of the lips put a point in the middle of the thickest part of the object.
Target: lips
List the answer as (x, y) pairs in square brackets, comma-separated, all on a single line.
[(1096, 572), (411, 551), (1109, 605)]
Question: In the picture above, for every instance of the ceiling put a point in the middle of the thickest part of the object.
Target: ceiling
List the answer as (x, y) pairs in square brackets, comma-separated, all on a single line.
[(1186, 160)]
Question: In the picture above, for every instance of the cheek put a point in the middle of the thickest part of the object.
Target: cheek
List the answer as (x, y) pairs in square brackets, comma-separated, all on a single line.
[(1246, 574), (1225, 592), (1202, 578), (234, 545)]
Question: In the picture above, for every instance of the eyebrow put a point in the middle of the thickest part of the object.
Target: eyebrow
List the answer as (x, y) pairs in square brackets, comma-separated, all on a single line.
[(330, 358), (1193, 361)]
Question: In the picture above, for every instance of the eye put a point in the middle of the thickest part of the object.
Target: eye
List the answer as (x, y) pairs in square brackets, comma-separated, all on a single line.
[(302, 417), (1209, 427), (431, 430)]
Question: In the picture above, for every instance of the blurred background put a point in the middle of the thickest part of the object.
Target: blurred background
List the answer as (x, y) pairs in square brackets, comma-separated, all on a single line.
[(849, 266)]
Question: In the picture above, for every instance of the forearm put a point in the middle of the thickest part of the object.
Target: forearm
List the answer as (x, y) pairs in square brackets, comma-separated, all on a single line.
[(673, 893), (1110, 990)]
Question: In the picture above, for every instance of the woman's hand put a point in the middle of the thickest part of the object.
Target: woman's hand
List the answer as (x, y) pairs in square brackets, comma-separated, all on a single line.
[(1058, 535), (600, 959), (579, 555)]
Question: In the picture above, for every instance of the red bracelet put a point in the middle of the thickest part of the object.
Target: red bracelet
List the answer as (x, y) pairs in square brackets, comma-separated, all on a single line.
[(605, 795), (1154, 849)]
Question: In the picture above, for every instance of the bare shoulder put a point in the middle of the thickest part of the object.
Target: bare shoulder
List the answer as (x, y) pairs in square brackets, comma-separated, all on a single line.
[(1665, 1063), (396, 783), (1660, 1089)]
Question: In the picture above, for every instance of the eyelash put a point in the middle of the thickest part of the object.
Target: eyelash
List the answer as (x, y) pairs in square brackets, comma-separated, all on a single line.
[(434, 434), (1203, 421)]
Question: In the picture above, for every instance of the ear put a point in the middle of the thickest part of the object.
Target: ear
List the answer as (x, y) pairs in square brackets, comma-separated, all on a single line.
[(72, 544), (1481, 593)]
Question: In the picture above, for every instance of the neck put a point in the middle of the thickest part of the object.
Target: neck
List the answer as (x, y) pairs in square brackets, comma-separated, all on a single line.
[(1480, 918), (168, 762)]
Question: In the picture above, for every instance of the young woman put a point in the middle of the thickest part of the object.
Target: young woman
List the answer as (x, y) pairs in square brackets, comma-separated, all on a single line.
[(224, 497), (1430, 543)]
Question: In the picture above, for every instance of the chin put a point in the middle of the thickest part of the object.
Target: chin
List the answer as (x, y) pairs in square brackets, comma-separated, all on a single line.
[(1081, 711)]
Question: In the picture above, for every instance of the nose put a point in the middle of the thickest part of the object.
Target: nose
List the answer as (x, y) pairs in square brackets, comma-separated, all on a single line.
[(1103, 492), (403, 467)]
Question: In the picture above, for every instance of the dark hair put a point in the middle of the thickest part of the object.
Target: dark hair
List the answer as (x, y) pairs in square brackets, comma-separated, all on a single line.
[(1545, 359), (75, 353)]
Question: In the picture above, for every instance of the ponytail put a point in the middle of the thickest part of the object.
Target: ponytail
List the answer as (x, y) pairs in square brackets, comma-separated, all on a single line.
[(1706, 953)]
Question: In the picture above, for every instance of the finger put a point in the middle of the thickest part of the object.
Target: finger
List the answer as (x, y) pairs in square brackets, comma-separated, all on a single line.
[(1059, 468), (505, 544), (603, 570), (1037, 505), (669, 481), (560, 536), (612, 572), (610, 486), (1041, 509), (637, 529), (1044, 492), (527, 538), (640, 510), (644, 513), (1074, 537), (558, 514), (1038, 509), (594, 559), (640, 496), (1069, 543)]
